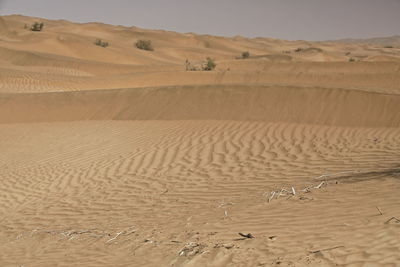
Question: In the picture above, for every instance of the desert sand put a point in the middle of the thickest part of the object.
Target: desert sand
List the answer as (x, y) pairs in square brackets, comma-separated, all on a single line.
[(118, 156)]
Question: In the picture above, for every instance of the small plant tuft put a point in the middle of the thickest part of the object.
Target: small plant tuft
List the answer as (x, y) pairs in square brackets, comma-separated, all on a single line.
[(352, 59), (144, 45), (37, 27), (101, 43), (210, 64), (245, 54)]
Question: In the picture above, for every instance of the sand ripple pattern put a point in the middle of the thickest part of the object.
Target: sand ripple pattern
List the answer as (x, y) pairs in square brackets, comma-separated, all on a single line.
[(196, 176)]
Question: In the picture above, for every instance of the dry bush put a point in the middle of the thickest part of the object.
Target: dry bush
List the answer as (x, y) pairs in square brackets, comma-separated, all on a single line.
[(245, 54), (37, 27), (101, 43), (210, 64), (207, 65), (144, 45)]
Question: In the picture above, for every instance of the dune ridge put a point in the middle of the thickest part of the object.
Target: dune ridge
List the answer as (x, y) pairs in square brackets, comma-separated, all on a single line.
[(321, 106)]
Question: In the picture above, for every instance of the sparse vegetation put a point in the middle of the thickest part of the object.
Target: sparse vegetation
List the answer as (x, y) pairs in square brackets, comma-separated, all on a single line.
[(210, 65), (190, 66), (101, 43), (352, 59), (207, 44), (245, 54), (37, 27), (388, 46), (205, 66), (144, 45)]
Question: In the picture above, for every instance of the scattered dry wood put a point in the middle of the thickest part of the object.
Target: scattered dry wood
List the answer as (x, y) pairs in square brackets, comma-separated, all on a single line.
[(73, 234)]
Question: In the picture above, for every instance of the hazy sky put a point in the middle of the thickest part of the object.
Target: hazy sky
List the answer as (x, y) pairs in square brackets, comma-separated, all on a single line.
[(288, 19)]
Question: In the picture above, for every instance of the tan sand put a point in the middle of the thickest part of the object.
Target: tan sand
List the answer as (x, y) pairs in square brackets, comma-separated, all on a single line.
[(119, 157)]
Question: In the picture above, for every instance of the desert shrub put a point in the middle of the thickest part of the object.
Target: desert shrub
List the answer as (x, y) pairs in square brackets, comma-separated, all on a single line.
[(144, 45), (190, 66), (245, 54), (352, 59), (101, 43), (207, 44), (298, 50), (209, 65), (37, 27), (388, 46)]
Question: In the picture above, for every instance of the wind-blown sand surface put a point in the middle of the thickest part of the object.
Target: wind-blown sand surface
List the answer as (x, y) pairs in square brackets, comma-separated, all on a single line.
[(119, 157)]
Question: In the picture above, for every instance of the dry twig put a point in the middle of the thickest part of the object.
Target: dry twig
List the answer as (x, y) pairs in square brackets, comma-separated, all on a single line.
[(320, 185), (393, 219), (271, 197), (334, 174), (325, 249), (379, 210), (115, 237), (249, 235)]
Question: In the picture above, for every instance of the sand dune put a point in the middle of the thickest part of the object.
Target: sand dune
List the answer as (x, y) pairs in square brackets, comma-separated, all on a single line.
[(385, 41), (120, 157), (320, 106)]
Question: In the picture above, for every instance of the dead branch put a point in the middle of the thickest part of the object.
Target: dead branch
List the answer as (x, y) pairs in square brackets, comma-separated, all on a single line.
[(320, 185), (395, 171), (334, 174), (325, 249), (281, 192), (393, 219), (249, 235), (115, 237), (379, 210), (272, 196)]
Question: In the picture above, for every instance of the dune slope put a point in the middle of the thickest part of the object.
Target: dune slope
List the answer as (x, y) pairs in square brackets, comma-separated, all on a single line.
[(335, 107)]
